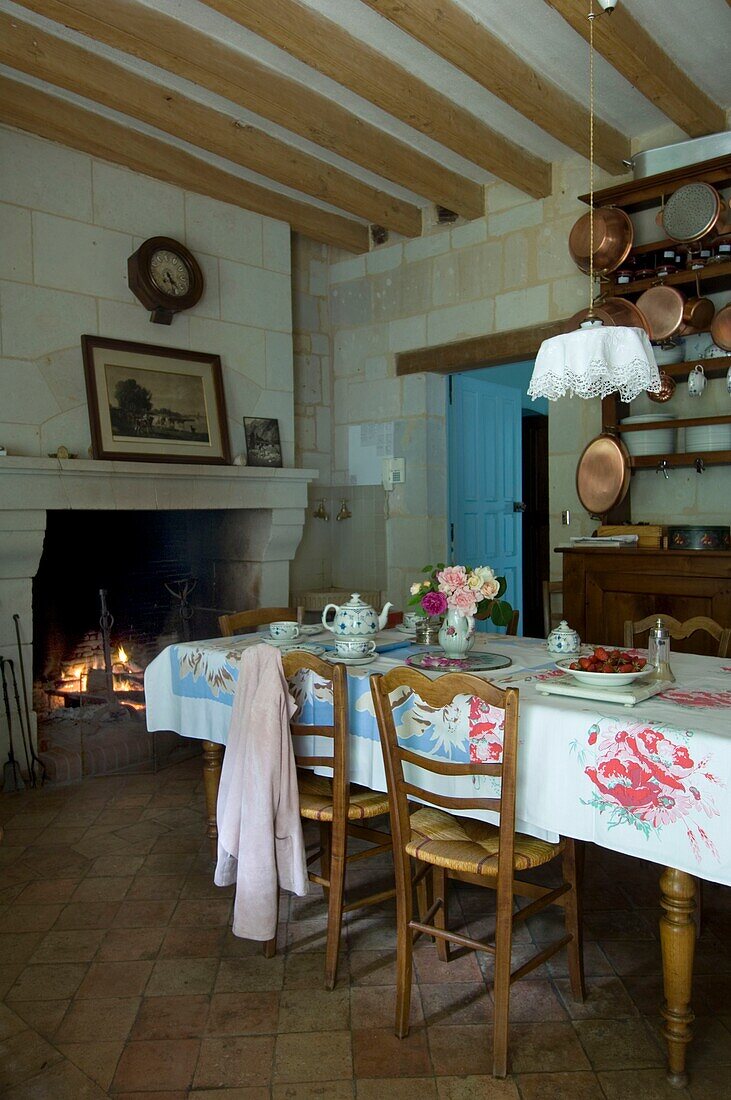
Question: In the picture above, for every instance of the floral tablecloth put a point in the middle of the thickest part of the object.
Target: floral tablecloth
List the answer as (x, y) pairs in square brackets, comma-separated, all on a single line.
[(652, 781)]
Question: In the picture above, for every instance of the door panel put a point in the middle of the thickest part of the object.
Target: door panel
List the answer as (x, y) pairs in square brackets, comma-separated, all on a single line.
[(485, 479)]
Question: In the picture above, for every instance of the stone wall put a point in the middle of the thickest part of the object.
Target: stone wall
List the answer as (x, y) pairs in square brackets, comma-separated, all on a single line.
[(68, 222)]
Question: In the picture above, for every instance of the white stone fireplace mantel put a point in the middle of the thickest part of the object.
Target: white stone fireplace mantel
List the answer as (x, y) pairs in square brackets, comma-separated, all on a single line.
[(265, 515)]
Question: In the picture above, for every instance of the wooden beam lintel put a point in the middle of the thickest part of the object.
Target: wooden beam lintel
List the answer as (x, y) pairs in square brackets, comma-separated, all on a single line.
[(478, 351)]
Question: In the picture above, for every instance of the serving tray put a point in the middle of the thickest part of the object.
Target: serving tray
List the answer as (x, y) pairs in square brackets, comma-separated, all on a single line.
[(439, 662), (628, 696)]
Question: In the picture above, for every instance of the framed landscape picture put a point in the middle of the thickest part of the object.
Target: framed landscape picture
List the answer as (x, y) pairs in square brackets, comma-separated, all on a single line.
[(154, 404), (263, 447)]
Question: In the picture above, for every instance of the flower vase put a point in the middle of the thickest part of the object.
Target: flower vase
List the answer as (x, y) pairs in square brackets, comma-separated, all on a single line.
[(457, 634)]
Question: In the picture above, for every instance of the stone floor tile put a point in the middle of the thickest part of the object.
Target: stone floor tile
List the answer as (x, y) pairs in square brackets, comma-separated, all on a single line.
[(20, 946), (249, 974), (48, 982), (144, 914), (116, 864), (606, 998), (463, 1049), (397, 1088), (429, 970), (63, 1081), (182, 976), (98, 1021), (313, 1010), (377, 1052), (48, 891), (453, 1004), (478, 1088), (313, 1056), (197, 942), (43, 1016), (85, 914), (547, 1047), (535, 1000), (235, 1061), (80, 945), (564, 1086), (121, 944), (649, 1084), (114, 979), (97, 1060), (254, 1092), (155, 887), (103, 888), (619, 1044), (243, 1014), (24, 1055), (182, 1017), (10, 1023), (205, 913), (30, 918), (375, 1006), (170, 1064)]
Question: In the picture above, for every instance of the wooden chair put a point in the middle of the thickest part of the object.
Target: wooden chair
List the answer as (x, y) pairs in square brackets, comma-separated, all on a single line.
[(245, 622), (466, 849), (339, 807), (679, 630), (512, 627), (551, 617)]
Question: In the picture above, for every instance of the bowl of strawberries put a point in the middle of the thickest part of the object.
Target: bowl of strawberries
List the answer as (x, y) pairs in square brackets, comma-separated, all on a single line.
[(607, 667)]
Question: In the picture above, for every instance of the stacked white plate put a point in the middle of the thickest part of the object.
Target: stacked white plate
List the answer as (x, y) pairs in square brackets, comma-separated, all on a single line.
[(708, 437), (656, 442)]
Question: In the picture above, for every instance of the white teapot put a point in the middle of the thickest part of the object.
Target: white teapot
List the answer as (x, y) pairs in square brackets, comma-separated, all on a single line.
[(355, 617), (563, 639)]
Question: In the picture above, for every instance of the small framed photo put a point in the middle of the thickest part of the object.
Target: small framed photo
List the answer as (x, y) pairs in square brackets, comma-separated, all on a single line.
[(263, 447), (154, 404)]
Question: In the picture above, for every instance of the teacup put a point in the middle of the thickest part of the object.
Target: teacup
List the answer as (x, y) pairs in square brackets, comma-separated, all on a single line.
[(284, 629), (354, 647), (411, 618), (696, 381)]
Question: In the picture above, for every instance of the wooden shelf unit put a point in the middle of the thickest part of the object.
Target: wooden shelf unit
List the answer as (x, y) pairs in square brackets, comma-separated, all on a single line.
[(710, 274), (708, 458)]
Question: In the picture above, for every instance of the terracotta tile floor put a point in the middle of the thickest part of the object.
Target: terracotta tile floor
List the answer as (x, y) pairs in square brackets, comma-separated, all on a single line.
[(119, 977)]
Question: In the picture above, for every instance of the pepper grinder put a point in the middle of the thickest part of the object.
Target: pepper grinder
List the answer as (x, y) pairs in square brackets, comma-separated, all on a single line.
[(658, 652)]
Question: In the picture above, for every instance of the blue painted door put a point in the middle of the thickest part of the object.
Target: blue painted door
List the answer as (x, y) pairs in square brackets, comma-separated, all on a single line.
[(485, 479)]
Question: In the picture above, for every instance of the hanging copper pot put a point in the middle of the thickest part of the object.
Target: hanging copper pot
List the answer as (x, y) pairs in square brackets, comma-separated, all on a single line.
[(603, 474), (721, 328), (667, 389), (698, 312), (613, 238), (663, 308), (625, 313)]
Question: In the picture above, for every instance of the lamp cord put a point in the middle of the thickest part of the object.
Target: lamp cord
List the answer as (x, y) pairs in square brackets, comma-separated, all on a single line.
[(591, 158)]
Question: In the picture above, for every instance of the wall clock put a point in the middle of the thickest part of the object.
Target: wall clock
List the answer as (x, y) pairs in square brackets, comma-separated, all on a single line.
[(166, 277)]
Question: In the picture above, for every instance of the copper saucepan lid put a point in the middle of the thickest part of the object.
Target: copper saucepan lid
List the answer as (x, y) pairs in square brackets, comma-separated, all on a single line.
[(613, 239), (603, 474), (663, 307)]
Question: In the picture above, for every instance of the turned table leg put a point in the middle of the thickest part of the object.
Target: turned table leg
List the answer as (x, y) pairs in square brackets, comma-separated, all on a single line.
[(677, 939), (212, 760)]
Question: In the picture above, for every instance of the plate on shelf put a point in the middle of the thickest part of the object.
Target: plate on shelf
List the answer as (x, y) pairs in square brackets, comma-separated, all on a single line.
[(603, 679), (473, 662)]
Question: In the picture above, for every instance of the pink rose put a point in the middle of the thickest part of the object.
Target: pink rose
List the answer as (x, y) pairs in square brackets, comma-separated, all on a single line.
[(462, 599), (434, 603), (454, 576)]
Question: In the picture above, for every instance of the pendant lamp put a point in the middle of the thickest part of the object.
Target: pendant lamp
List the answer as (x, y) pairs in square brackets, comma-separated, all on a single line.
[(596, 359)]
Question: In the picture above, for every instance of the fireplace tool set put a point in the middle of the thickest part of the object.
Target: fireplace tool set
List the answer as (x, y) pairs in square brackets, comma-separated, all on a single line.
[(12, 777)]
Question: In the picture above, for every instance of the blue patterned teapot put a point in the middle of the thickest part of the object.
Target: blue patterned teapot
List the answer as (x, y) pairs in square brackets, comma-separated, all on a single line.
[(355, 617)]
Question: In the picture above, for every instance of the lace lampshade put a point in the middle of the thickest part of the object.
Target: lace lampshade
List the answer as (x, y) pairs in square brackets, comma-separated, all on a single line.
[(595, 361)]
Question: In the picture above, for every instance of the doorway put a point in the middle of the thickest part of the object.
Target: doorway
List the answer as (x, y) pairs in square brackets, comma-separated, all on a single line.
[(498, 482)]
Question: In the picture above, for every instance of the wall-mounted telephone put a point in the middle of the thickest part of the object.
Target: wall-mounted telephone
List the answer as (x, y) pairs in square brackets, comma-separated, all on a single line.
[(393, 472)]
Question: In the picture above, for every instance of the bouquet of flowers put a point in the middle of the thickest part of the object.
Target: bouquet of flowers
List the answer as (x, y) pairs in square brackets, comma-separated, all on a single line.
[(475, 592)]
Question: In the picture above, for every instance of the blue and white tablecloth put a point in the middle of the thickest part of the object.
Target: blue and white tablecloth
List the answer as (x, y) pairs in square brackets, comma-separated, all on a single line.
[(652, 781)]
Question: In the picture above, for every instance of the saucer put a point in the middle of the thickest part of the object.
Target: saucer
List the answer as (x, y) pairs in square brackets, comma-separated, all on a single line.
[(402, 629), (310, 629), (350, 660), (289, 647)]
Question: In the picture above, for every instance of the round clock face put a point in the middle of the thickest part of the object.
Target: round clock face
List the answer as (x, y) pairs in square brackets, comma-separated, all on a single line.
[(169, 273)]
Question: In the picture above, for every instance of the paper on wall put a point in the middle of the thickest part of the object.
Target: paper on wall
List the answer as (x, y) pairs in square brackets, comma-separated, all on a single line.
[(368, 444)]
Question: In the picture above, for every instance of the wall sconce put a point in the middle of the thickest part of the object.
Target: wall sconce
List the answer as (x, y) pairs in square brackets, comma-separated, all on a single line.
[(321, 511), (345, 512)]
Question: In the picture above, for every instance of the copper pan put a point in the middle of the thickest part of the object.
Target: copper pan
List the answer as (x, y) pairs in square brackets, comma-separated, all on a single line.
[(603, 474), (625, 313), (613, 238), (663, 307), (698, 312), (721, 328), (667, 389)]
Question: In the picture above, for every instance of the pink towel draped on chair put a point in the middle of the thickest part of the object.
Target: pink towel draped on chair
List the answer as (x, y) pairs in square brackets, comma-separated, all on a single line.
[(260, 843)]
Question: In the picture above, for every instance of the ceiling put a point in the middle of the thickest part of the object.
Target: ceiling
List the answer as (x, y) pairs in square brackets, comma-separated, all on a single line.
[(334, 114)]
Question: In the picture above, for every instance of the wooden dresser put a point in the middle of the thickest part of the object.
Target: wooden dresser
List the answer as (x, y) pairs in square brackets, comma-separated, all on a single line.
[(603, 587)]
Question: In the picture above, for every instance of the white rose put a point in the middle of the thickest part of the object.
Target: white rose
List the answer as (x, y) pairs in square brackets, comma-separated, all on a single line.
[(415, 588), (485, 574), (491, 588)]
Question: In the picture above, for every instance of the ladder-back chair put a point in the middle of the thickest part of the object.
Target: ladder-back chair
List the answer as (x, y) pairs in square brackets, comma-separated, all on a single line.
[(551, 617), (467, 849), (679, 630), (245, 622), (339, 807)]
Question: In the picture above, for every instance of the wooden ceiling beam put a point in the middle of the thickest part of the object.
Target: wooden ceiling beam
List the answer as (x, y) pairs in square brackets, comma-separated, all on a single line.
[(171, 44), (632, 51), (49, 116), (324, 45), (478, 351), (27, 48), (456, 35)]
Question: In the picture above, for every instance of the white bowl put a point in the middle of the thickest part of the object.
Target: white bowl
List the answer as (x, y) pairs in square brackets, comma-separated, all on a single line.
[(604, 679)]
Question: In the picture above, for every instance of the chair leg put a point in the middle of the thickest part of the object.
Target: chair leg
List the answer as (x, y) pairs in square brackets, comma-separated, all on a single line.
[(501, 989), (441, 883), (270, 946), (325, 845), (425, 896), (335, 910), (698, 907), (404, 947), (572, 909)]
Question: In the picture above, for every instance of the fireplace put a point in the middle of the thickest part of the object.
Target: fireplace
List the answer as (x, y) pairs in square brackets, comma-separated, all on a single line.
[(172, 547)]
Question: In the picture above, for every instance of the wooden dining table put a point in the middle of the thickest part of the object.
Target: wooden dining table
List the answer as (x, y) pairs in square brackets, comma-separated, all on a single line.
[(652, 781)]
